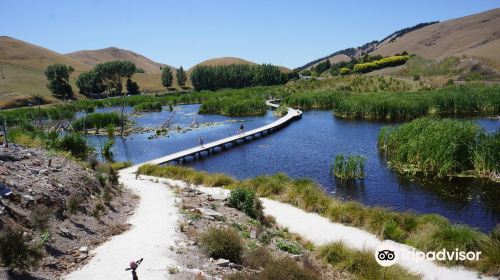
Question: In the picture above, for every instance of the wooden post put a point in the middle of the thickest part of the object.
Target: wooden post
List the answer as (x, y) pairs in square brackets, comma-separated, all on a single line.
[(4, 128)]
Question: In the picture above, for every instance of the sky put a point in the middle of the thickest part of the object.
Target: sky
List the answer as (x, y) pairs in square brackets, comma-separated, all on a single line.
[(185, 32)]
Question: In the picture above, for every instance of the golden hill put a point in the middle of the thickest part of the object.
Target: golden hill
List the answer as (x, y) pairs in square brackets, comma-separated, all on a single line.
[(93, 57), (334, 59), (474, 35)]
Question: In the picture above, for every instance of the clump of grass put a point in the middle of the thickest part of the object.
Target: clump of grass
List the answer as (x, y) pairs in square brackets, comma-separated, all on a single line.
[(245, 200), (15, 253), (223, 243), (97, 121), (257, 258), (441, 147), (289, 247), (234, 107), (106, 150), (152, 106), (286, 268), (40, 216), (360, 263), (348, 167)]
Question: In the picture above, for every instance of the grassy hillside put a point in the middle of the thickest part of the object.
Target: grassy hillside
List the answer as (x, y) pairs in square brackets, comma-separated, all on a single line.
[(474, 35), (22, 71)]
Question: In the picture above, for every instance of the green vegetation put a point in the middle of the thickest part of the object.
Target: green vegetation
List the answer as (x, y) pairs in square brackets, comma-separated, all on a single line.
[(471, 100), (403, 227), (234, 107), (441, 147), (181, 76), (223, 243), (381, 63), (321, 67), (153, 106), (132, 87), (418, 66), (106, 77), (15, 253), (107, 153), (74, 143), (96, 121), (236, 76), (360, 263), (246, 201), (167, 76), (289, 247), (348, 167), (58, 78)]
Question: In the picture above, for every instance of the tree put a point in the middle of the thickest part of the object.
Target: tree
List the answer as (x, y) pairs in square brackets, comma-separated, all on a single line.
[(90, 82), (132, 87), (181, 77), (167, 76), (58, 78)]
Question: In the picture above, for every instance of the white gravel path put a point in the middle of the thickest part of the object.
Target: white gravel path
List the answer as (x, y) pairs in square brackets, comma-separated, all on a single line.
[(153, 232)]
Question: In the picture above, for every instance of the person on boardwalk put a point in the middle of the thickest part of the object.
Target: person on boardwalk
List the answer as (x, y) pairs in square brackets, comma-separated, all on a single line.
[(200, 141), (241, 129)]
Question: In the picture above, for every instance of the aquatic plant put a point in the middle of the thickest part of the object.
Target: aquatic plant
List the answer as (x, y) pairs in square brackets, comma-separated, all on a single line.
[(106, 150), (153, 106), (441, 147), (96, 121), (348, 167)]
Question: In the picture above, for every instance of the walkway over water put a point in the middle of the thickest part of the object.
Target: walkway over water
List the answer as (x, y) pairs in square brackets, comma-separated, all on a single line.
[(209, 148)]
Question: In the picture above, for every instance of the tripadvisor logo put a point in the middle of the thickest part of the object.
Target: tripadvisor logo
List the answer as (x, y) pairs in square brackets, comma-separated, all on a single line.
[(387, 255)]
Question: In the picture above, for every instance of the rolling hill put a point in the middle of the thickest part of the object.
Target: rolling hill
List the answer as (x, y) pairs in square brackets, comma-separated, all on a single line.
[(476, 35)]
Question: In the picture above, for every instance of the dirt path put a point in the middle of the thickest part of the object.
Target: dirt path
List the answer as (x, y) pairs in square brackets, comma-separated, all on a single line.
[(153, 231)]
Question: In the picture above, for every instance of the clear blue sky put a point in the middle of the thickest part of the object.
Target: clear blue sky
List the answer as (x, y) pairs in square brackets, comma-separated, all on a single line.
[(185, 32)]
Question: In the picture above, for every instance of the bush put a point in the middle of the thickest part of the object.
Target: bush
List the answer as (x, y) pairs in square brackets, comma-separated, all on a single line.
[(289, 247), (76, 144), (381, 63), (74, 203), (257, 258), (223, 243), (40, 216), (287, 269), (14, 252), (245, 200)]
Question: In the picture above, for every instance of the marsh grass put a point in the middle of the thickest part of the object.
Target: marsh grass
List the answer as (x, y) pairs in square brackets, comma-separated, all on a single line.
[(348, 167), (441, 147), (97, 121), (150, 106), (425, 232)]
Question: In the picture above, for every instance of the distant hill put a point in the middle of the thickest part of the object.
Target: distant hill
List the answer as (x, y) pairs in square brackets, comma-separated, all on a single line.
[(20, 53), (475, 35), (229, 61), (93, 57)]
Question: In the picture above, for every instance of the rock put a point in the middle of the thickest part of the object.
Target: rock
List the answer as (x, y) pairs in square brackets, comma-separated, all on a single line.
[(217, 197), (222, 262), (66, 233), (84, 250), (28, 197), (211, 213)]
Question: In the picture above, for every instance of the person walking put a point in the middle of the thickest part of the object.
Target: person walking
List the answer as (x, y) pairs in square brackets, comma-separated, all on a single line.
[(200, 141), (241, 128)]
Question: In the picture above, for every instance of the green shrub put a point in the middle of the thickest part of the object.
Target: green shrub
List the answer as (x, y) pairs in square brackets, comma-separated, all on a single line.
[(15, 252), (76, 144), (381, 63), (245, 200), (74, 203), (222, 243), (289, 247)]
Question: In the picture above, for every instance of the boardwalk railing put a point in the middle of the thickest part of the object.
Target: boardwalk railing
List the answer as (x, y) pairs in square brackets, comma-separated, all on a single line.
[(211, 147)]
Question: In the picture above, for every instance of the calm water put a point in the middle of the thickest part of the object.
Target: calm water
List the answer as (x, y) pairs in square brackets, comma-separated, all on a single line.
[(305, 149)]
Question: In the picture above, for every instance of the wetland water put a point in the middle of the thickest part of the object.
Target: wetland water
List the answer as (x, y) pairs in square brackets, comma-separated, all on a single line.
[(305, 148)]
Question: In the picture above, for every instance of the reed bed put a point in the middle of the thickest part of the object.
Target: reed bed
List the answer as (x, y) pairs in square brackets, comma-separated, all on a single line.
[(462, 100), (442, 148), (97, 121), (348, 167), (405, 227), (152, 106)]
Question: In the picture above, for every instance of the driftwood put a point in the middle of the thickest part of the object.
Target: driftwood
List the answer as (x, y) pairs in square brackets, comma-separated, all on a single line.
[(168, 122)]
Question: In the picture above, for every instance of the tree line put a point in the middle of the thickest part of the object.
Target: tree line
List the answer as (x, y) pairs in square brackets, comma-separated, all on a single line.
[(237, 76)]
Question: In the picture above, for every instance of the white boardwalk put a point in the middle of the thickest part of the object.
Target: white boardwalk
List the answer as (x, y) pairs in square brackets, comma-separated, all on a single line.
[(291, 115)]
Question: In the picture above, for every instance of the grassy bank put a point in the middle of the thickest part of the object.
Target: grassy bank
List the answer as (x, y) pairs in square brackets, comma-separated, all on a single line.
[(441, 147), (425, 232), (463, 100)]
